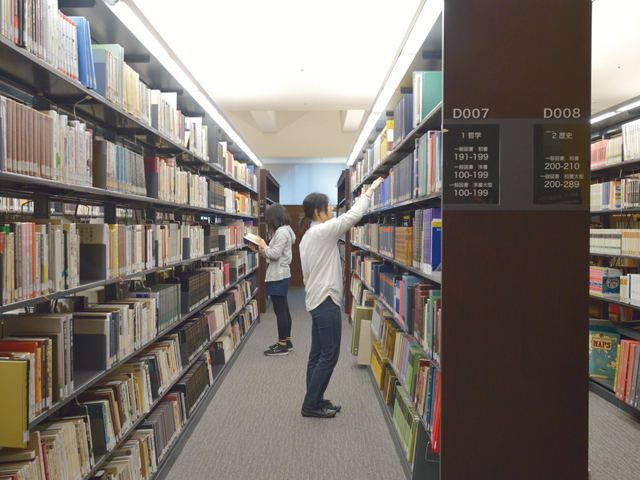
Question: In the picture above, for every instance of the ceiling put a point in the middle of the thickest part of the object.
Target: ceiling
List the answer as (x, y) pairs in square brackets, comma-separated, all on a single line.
[(296, 79)]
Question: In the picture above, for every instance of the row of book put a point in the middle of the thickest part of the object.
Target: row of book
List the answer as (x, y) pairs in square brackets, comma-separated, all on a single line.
[(418, 246), (413, 303), (616, 194), (98, 336), (606, 152), (44, 31), (411, 110), (242, 172), (46, 144), (65, 43), (417, 175), (50, 145), (604, 282), (401, 368), (617, 149), (615, 241), (52, 255)]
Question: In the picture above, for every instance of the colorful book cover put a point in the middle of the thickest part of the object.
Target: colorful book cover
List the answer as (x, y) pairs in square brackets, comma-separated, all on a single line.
[(603, 347)]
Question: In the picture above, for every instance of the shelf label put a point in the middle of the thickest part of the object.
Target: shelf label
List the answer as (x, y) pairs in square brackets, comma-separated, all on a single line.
[(561, 158), (471, 162)]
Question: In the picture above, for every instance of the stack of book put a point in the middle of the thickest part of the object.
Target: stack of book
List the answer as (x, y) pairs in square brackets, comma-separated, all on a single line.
[(428, 164), (606, 152), (197, 137), (118, 169), (39, 257), (604, 282), (403, 118), (427, 94), (45, 32), (46, 144), (194, 287), (631, 140)]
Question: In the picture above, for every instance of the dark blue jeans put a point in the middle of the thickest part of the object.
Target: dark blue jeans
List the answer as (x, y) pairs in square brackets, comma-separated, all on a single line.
[(326, 333)]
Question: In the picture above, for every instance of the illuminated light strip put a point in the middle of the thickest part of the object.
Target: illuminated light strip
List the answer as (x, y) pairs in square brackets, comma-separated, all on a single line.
[(430, 12), (138, 28)]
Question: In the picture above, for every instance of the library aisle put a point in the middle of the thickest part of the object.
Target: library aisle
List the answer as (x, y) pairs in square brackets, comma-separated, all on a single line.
[(614, 436), (252, 429)]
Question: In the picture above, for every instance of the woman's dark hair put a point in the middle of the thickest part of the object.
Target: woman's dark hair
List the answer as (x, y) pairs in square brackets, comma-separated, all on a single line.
[(277, 217), (311, 203)]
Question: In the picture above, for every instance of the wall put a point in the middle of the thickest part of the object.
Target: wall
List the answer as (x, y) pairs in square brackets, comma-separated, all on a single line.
[(297, 181)]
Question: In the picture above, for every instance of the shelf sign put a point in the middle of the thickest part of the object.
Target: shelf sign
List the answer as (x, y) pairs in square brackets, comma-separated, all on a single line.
[(471, 162), (561, 172)]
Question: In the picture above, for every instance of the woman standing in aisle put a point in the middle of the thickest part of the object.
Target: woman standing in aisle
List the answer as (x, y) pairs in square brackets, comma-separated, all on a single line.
[(323, 287), (278, 255)]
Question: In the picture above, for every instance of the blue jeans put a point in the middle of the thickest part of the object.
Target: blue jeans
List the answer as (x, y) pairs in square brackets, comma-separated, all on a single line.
[(326, 333)]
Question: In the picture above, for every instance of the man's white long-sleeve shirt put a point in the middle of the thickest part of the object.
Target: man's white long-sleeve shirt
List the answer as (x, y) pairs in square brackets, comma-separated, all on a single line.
[(320, 257)]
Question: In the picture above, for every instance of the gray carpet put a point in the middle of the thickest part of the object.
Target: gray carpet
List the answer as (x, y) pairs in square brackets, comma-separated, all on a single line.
[(252, 429), (614, 442)]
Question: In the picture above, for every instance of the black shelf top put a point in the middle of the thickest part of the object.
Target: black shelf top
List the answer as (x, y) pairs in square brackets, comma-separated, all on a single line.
[(433, 277), (407, 204), (25, 183), (615, 302), (432, 121), (616, 167), (611, 255), (603, 390), (617, 211), (269, 201), (101, 283)]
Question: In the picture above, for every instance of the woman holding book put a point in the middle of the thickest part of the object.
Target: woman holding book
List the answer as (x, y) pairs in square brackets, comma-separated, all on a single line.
[(278, 255), (323, 287)]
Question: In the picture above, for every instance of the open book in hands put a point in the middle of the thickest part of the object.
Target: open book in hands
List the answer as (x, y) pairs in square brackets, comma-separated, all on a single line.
[(252, 240)]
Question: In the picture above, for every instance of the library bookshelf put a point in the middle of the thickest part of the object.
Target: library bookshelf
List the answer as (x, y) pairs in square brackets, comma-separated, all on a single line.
[(204, 227), (500, 247), (613, 213), (269, 194)]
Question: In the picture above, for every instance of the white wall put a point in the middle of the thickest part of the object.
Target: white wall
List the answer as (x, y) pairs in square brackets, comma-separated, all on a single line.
[(298, 181)]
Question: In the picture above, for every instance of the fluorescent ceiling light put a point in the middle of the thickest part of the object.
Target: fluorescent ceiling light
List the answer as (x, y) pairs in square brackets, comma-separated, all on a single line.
[(431, 10), (602, 117), (149, 40), (628, 107), (399, 70)]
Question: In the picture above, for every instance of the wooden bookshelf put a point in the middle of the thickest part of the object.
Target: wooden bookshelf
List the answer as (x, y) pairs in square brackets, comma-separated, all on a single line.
[(269, 194), (495, 256)]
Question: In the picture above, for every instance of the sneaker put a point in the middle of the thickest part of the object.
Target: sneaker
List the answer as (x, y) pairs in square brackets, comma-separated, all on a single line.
[(277, 349), (330, 406), (289, 345), (318, 413)]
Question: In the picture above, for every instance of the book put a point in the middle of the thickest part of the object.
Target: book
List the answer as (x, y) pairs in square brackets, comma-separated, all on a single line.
[(14, 402), (603, 344)]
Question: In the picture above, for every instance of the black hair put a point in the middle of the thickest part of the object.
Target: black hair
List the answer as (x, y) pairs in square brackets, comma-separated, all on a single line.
[(311, 203), (277, 216)]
